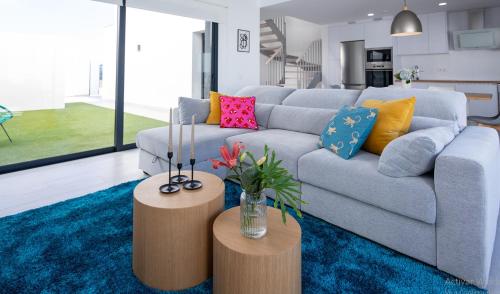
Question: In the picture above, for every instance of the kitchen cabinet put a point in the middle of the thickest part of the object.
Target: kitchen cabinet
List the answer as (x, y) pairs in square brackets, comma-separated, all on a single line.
[(377, 34), (487, 107), (438, 33), (411, 45), (350, 32), (433, 40)]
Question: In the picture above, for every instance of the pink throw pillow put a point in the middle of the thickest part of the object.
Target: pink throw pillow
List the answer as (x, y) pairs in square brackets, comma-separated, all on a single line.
[(238, 112)]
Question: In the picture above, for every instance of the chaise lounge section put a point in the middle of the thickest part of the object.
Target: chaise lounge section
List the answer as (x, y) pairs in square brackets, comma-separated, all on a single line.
[(446, 218)]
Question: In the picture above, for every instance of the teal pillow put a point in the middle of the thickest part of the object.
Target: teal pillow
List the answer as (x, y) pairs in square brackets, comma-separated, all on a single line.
[(348, 130)]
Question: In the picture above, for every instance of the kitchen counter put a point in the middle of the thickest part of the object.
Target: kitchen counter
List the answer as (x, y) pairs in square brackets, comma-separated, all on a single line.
[(482, 96)]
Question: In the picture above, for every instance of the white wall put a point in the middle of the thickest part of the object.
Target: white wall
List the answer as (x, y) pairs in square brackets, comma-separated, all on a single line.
[(325, 51), (42, 61), (161, 71), (299, 35), (456, 65), (239, 69), (31, 79)]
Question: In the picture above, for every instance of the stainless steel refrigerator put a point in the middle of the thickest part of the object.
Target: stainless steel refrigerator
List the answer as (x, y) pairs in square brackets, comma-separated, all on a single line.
[(352, 60)]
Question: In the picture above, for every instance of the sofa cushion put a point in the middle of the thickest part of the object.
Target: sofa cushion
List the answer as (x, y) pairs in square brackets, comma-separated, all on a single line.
[(191, 106), (300, 119), (422, 122), (238, 112), (208, 139), (414, 154), (263, 113), (393, 120), (265, 94), (436, 104), (347, 131), (214, 115), (289, 146), (359, 179), (322, 98)]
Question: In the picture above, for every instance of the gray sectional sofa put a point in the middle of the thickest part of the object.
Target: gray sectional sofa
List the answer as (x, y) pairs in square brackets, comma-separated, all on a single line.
[(446, 218)]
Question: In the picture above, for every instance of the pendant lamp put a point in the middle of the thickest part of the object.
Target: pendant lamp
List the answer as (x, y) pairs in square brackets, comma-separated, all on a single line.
[(406, 23)]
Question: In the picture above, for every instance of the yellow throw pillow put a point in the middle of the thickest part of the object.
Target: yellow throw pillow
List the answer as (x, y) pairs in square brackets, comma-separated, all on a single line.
[(393, 120), (214, 115)]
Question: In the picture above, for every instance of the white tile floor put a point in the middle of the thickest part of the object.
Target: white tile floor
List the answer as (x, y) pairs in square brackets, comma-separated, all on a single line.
[(42, 186)]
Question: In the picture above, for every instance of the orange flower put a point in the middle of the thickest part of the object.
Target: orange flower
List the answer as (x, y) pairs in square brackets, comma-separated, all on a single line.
[(230, 158)]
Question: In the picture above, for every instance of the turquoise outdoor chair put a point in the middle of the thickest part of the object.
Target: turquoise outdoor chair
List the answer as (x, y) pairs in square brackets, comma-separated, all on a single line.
[(5, 115)]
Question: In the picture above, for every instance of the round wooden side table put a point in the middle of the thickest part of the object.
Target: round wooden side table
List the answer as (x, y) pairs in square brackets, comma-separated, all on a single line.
[(172, 238), (268, 265)]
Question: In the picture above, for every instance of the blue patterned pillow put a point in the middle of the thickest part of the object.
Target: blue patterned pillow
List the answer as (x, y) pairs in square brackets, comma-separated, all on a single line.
[(348, 130)]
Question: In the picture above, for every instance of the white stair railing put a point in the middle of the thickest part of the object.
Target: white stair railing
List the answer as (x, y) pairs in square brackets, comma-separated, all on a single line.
[(309, 66), (277, 61)]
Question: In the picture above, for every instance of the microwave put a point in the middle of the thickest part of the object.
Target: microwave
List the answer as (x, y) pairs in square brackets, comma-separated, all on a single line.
[(379, 58)]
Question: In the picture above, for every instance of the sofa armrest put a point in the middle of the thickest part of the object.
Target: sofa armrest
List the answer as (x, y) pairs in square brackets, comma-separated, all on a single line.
[(466, 178)]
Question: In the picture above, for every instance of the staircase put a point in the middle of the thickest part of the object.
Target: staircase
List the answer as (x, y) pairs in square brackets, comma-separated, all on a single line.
[(309, 72), (283, 69)]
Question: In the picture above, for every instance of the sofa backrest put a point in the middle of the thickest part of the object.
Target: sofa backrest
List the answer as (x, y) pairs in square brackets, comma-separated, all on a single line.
[(266, 94), (445, 105), (262, 114), (300, 119), (322, 98)]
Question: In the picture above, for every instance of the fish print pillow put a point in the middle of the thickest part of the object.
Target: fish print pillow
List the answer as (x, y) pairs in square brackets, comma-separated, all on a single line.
[(348, 130), (238, 112)]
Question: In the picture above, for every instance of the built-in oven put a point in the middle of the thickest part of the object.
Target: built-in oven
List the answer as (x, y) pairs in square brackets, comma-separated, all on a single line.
[(379, 78), (378, 67)]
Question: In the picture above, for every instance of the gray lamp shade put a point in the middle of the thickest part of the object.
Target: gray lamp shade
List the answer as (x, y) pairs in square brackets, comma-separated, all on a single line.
[(406, 23)]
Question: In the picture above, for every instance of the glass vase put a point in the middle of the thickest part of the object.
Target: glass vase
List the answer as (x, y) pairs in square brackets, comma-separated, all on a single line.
[(406, 84), (253, 215)]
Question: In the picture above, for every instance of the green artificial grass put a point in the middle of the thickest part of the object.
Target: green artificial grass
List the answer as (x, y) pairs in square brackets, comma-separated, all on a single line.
[(78, 127)]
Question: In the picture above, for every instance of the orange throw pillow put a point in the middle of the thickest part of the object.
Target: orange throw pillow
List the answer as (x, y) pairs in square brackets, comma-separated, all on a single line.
[(214, 115), (393, 120)]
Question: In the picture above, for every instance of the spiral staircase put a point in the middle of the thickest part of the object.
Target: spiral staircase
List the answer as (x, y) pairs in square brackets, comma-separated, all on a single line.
[(282, 69)]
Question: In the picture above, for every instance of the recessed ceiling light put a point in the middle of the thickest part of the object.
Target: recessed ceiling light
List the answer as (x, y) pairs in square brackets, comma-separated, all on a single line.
[(371, 14), (442, 3)]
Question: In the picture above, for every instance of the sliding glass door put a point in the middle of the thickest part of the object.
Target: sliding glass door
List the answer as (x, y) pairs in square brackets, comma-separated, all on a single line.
[(164, 61), (57, 62), (81, 77)]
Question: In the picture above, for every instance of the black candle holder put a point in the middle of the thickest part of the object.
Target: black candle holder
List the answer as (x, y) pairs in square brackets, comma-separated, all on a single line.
[(170, 188), (179, 179), (192, 184)]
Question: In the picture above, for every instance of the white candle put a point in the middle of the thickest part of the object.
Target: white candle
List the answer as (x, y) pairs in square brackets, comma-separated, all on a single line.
[(170, 146), (192, 137), (179, 152)]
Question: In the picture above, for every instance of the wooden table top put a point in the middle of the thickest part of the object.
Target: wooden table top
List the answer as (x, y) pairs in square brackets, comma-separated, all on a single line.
[(147, 192), (279, 238)]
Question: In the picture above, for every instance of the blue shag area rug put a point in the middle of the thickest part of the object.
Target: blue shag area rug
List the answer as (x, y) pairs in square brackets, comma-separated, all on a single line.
[(84, 245)]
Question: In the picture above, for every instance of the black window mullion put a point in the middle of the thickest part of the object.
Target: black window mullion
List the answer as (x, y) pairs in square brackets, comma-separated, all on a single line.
[(214, 83), (120, 77)]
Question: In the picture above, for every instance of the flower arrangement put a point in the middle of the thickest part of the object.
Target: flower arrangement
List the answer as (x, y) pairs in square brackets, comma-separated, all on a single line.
[(261, 174), (407, 75)]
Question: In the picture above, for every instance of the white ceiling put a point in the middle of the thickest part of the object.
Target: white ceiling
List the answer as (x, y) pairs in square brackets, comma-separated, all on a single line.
[(336, 11)]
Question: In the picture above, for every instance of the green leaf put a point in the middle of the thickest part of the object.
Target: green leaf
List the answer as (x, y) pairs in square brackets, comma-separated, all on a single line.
[(283, 211)]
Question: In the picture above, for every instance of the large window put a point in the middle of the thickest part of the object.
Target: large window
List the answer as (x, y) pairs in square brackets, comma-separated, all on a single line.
[(161, 50), (53, 62), (59, 63)]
